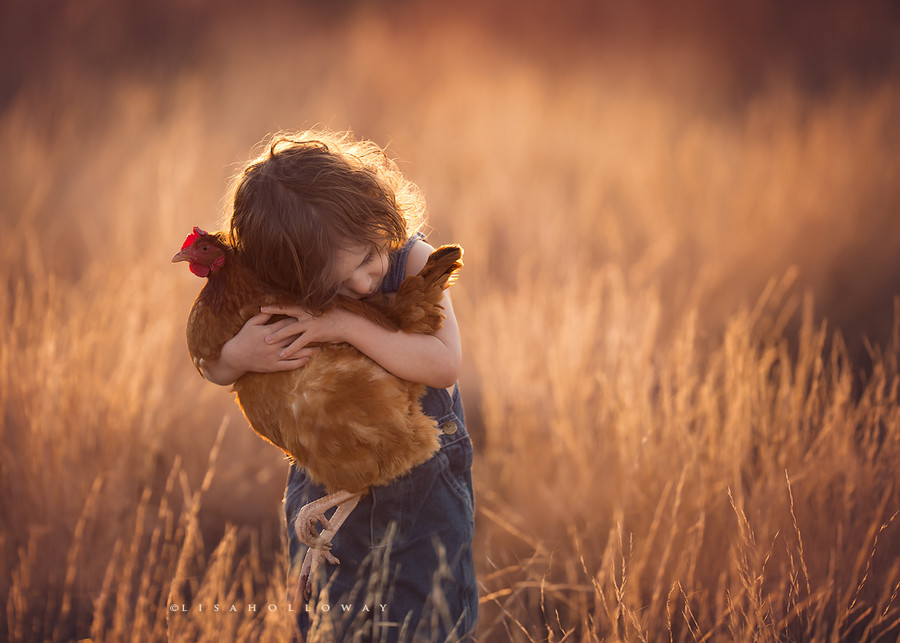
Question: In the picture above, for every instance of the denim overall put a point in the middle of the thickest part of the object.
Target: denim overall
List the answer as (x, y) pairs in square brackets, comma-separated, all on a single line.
[(406, 569)]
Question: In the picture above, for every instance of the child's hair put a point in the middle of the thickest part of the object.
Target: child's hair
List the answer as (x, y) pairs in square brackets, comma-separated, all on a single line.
[(310, 194)]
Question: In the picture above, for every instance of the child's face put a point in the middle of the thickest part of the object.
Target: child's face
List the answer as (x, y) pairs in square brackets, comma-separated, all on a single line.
[(360, 269)]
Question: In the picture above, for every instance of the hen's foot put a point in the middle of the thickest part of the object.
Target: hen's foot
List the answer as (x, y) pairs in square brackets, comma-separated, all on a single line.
[(319, 544)]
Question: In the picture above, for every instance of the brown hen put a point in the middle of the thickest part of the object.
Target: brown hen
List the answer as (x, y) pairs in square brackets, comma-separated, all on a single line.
[(343, 418)]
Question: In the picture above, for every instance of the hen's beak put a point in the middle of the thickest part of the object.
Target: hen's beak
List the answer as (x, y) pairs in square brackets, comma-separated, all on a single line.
[(181, 255)]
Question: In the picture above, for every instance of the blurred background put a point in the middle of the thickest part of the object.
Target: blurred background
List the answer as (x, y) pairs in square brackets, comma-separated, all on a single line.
[(611, 168), (691, 142)]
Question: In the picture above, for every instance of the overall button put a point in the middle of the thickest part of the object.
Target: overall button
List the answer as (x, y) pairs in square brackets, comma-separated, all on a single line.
[(449, 427)]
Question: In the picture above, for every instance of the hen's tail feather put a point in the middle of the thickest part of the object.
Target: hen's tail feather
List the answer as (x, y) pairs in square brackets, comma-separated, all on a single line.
[(417, 304), (440, 269)]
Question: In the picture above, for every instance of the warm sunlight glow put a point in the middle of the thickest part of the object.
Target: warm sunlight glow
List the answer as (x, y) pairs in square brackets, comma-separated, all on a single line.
[(678, 309)]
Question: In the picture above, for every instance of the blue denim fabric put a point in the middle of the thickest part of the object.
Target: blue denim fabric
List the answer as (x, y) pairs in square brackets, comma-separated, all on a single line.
[(407, 547)]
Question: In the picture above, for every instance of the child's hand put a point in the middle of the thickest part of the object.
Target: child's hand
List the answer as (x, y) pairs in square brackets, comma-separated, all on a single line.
[(249, 350), (290, 340)]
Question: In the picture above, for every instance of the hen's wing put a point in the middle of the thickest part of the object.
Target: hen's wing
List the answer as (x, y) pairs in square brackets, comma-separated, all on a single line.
[(207, 332)]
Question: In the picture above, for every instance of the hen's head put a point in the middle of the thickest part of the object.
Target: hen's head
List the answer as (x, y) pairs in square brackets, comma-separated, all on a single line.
[(204, 252)]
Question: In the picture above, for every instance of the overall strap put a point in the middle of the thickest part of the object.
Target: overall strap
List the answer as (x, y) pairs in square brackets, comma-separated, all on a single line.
[(397, 268)]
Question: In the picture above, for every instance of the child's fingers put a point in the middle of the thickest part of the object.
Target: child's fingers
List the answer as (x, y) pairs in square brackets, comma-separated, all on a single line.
[(285, 329), (293, 350), (298, 360), (258, 319), (289, 365), (277, 330)]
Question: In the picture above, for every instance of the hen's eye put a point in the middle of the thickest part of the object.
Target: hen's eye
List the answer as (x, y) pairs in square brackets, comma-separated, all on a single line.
[(204, 248)]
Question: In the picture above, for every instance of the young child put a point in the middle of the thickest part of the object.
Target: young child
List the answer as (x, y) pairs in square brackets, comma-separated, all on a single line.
[(319, 214)]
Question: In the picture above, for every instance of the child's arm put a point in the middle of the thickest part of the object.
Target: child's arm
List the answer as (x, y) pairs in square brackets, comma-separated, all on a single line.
[(433, 360), (249, 351)]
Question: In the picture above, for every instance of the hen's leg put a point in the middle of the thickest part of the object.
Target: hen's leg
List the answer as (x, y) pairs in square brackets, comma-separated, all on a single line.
[(320, 543), (313, 513)]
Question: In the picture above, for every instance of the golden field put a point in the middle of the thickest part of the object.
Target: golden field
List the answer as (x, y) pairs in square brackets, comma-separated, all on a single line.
[(680, 308)]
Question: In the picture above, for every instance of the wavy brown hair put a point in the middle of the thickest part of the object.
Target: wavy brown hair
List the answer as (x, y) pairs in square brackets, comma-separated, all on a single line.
[(310, 194)]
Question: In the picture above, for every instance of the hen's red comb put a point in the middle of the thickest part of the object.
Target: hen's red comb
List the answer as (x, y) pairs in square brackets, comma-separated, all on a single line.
[(192, 237)]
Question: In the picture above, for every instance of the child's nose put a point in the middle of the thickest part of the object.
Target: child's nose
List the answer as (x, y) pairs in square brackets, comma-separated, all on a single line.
[(361, 285)]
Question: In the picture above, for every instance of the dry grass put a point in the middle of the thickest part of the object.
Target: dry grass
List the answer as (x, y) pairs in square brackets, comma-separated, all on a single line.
[(673, 442)]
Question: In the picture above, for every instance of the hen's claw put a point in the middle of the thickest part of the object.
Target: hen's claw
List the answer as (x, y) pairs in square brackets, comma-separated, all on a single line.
[(313, 560)]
